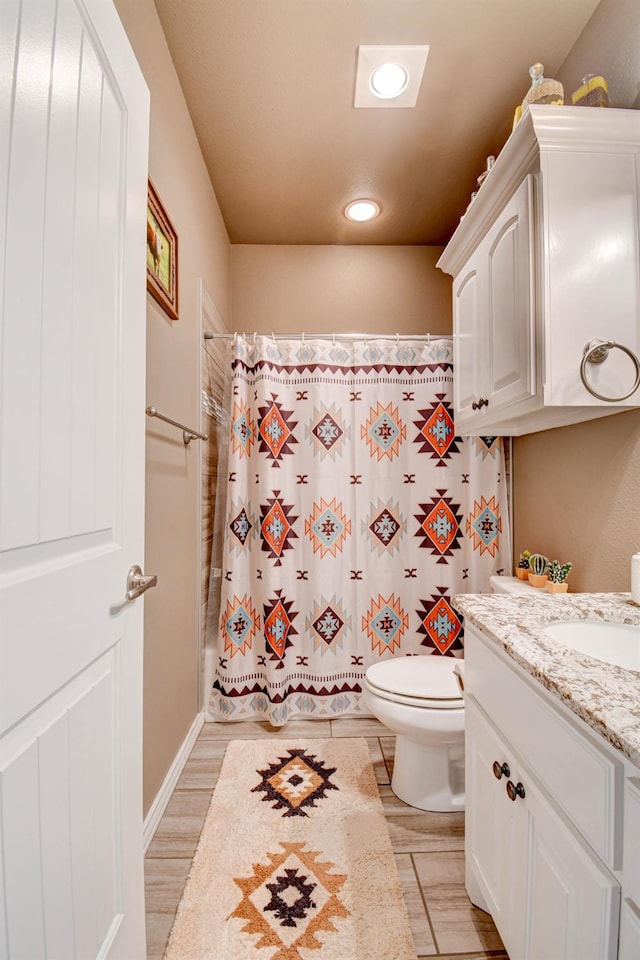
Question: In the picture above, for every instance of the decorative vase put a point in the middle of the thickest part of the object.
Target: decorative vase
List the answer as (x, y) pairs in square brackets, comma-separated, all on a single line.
[(557, 587), (538, 579), (522, 573)]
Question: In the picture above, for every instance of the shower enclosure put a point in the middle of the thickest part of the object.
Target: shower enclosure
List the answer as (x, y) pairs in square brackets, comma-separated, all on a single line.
[(348, 514)]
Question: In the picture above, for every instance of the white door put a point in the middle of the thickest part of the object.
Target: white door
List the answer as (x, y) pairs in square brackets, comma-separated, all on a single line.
[(73, 161)]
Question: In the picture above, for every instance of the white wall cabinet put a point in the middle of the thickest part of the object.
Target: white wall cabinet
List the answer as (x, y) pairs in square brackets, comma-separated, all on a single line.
[(495, 361), (552, 819), (546, 259)]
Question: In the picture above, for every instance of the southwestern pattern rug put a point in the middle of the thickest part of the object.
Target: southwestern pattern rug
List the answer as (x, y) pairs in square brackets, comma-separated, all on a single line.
[(294, 861)]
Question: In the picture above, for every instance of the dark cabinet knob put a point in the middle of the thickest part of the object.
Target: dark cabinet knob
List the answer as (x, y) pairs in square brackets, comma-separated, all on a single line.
[(515, 790), (479, 404), (474, 405), (501, 770)]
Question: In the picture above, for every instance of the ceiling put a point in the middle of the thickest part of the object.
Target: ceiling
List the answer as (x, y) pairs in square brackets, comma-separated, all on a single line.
[(270, 84)]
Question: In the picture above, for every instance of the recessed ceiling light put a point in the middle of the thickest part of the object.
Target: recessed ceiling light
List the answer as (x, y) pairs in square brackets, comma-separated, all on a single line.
[(362, 210), (404, 63), (389, 80)]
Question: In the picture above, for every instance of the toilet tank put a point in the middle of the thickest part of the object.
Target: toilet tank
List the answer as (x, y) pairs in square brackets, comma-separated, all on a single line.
[(509, 585)]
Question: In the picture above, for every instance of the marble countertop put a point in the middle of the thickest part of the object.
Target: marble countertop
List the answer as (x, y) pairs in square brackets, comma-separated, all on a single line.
[(606, 697)]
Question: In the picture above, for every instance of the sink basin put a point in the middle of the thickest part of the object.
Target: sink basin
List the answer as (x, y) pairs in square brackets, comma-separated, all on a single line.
[(617, 643)]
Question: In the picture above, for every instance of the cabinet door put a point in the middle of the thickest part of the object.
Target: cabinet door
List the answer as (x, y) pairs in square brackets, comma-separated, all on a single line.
[(509, 264), (491, 854), (572, 902), (629, 931), (469, 337)]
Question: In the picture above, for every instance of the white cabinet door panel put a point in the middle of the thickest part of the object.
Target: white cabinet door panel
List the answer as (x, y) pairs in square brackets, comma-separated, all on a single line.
[(469, 340), (572, 903), (510, 311)]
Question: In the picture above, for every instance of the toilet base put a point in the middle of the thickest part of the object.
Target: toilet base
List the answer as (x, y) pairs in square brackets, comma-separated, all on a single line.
[(429, 778)]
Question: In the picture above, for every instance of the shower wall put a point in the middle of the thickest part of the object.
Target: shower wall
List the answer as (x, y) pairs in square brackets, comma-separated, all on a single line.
[(212, 392)]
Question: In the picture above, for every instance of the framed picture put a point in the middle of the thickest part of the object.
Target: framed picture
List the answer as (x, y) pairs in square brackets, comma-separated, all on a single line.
[(162, 255)]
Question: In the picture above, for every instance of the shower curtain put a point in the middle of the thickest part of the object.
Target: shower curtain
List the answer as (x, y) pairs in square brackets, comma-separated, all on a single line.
[(353, 515)]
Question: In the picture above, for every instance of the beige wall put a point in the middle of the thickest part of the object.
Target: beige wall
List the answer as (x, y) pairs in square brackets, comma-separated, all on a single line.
[(319, 289), (577, 489), (173, 363)]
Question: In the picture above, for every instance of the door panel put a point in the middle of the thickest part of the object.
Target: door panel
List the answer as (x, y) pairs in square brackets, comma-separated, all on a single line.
[(491, 844), (59, 799), (73, 177), (468, 346), (510, 265), (573, 902)]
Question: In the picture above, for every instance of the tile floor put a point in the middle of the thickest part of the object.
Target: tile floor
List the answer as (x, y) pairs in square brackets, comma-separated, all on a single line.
[(429, 847)]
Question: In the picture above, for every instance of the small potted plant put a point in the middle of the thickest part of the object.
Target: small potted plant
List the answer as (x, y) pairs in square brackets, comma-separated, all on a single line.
[(558, 573), (538, 570), (522, 568)]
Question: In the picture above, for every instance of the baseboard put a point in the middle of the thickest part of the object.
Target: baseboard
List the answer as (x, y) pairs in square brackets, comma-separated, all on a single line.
[(159, 805)]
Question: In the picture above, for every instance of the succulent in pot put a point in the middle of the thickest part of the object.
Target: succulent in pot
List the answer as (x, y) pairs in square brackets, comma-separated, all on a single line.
[(522, 566), (538, 570), (558, 573)]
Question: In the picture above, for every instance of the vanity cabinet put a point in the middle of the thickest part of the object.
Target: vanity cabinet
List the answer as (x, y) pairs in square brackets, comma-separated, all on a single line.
[(544, 819), (546, 891), (545, 260)]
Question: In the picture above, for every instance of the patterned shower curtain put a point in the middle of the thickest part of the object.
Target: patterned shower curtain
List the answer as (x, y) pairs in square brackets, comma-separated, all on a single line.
[(353, 515)]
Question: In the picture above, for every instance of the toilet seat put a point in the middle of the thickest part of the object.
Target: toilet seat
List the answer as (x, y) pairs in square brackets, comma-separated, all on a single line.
[(427, 682)]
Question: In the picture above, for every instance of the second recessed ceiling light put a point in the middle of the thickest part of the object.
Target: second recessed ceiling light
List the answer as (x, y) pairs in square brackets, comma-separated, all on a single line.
[(388, 75), (389, 80)]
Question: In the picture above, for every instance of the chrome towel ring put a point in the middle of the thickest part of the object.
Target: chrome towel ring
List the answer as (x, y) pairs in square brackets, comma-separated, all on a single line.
[(597, 351)]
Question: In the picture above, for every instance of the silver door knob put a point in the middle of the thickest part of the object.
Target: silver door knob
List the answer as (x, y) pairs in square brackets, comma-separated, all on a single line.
[(137, 583)]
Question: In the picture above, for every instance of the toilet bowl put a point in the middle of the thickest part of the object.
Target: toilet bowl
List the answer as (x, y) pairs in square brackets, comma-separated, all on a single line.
[(418, 699)]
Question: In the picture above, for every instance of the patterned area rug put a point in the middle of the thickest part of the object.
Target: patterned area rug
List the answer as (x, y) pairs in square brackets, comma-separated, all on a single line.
[(294, 861)]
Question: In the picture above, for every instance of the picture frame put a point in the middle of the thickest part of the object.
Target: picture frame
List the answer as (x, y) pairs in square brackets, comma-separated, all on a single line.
[(162, 255)]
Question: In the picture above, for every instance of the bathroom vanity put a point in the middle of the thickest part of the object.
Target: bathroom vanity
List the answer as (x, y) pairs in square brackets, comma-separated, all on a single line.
[(553, 779)]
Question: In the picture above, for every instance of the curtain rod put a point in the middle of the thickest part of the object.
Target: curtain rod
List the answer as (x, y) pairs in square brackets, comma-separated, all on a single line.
[(331, 336)]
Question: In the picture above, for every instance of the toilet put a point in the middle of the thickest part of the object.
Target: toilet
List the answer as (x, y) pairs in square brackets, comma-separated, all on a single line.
[(420, 700)]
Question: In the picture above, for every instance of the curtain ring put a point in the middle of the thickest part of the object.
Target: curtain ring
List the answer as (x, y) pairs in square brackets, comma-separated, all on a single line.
[(273, 336), (303, 336), (254, 338), (333, 337), (397, 338)]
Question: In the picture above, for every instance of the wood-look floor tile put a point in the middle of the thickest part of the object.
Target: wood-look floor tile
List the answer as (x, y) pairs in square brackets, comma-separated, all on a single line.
[(179, 830), (164, 880), (459, 927), (201, 770), (417, 831), (492, 955), (388, 745), (158, 926), (379, 767), (418, 921), (260, 730), (358, 727)]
